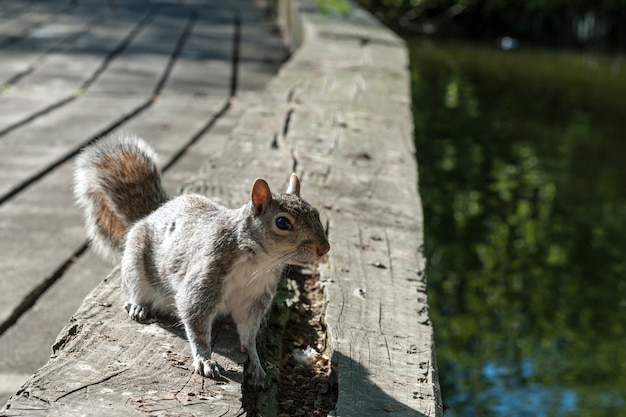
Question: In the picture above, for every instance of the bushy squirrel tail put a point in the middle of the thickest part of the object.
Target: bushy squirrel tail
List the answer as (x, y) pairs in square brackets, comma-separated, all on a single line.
[(117, 181)]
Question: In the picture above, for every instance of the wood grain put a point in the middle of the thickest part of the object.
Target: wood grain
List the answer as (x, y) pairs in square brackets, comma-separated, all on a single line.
[(350, 130), (189, 47), (338, 114)]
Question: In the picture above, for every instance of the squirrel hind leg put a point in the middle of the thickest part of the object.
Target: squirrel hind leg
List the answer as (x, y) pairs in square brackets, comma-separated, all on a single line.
[(144, 300)]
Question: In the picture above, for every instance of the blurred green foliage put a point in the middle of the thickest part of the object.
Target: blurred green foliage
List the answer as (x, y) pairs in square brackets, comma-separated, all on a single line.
[(334, 6), (523, 185)]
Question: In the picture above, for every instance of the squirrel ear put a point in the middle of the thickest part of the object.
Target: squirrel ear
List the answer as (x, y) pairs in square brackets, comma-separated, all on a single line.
[(294, 185), (261, 195)]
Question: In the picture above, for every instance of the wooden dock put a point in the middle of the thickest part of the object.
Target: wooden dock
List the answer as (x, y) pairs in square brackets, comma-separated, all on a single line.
[(72, 71), (192, 78)]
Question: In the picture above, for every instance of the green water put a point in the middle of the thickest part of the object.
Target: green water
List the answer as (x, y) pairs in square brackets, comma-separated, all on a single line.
[(522, 164)]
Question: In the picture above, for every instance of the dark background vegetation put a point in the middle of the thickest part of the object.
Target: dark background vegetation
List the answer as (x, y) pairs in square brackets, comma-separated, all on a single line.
[(595, 24)]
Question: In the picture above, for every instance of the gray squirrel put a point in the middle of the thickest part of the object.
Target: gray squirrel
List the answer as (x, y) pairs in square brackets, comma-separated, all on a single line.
[(189, 256)]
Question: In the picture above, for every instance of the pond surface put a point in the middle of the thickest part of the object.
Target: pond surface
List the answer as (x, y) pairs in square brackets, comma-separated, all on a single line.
[(522, 164)]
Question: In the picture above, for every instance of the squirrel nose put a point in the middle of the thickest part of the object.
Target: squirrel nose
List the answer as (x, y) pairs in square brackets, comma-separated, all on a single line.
[(323, 249)]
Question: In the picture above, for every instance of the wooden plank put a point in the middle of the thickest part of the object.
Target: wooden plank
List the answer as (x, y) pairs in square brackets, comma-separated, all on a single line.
[(163, 364), (55, 231), (126, 87), (11, 8), (32, 51), (44, 220), (28, 150), (23, 348), (41, 224), (351, 132), (70, 68), (204, 66), (200, 64), (256, 59), (26, 346), (37, 83), (339, 114), (140, 67), (181, 177), (125, 368), (18, 26), (24, 153), (62, 219), (25, 56)]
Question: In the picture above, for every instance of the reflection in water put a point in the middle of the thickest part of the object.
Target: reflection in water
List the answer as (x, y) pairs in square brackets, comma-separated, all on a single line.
[(523, 178)]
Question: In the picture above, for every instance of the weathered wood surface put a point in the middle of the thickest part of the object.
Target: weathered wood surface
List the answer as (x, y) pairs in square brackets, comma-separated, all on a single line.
[(72, 71), (339, 114), (350, 129)]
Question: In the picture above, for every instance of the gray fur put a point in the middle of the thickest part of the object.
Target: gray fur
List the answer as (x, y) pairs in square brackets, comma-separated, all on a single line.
[(192, 257)]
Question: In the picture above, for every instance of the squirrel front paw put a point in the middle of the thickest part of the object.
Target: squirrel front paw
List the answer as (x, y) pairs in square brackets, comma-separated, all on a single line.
[(256, 377), (208, 368), (137, 312)]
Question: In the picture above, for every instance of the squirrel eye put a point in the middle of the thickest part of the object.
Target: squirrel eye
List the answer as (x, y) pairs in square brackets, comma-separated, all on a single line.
[(283, 223)]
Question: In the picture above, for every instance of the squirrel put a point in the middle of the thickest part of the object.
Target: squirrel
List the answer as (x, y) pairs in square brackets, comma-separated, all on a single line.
[(188, 256)]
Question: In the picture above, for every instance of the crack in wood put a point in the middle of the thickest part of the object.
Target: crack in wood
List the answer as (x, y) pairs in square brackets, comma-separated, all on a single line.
[(183, 387), (291, 94), (294, 165), (287, 121), (91, 384), (389, 259), (274, 144), (325, 176), (382, 332), (64, 339), (234, 78)]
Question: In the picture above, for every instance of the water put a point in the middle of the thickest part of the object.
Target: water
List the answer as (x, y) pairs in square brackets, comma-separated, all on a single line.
[(523, 178)]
